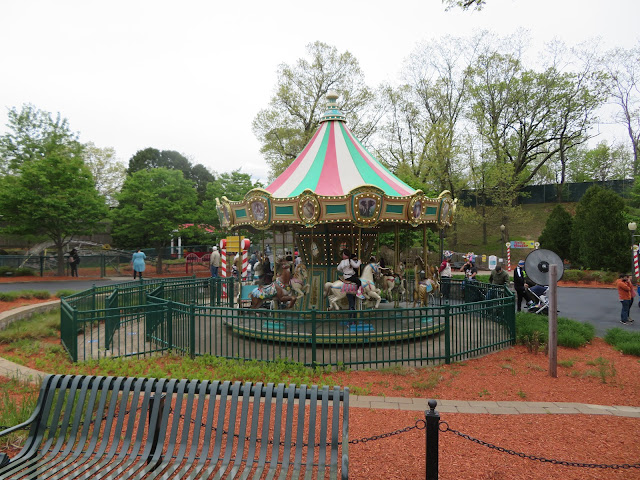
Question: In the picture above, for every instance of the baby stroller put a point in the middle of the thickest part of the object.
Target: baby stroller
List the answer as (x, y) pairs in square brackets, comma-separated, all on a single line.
[(538, 299)]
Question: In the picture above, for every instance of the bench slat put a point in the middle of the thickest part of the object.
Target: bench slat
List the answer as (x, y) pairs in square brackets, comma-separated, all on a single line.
[(109, 427)]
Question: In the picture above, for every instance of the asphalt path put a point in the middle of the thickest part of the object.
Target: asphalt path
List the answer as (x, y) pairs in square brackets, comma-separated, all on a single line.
[(598, 306)]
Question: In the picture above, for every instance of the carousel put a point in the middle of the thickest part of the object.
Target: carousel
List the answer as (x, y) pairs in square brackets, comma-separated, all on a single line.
[(335, 195)]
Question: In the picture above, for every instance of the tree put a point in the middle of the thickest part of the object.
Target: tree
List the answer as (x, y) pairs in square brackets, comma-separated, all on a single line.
[(234, 185), (556, 235), (599, 237), (624, 88), (34, 134), (464, 4), (422, 132), (528, 117), (151, 206), (291, 119), (601, 163), (53, 196), (152, 158), (108, 172), (46, 190)]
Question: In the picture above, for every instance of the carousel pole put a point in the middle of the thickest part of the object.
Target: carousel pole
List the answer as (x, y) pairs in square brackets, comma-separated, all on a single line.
[(360, 245), (425, 248), (396, 253)]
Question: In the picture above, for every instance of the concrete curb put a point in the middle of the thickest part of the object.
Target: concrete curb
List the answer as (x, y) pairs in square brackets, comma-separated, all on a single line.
[(27, 311)]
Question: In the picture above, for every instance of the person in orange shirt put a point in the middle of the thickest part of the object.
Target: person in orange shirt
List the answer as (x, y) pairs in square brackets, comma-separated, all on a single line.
[(624, 294)]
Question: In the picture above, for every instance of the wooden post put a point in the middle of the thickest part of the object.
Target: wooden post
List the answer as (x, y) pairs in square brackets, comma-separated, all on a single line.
[(553, 321)]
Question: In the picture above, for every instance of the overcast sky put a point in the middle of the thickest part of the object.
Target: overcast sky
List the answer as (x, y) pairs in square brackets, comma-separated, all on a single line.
[(191, 75)]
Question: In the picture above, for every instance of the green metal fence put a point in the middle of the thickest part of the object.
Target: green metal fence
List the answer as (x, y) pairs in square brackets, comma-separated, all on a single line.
[(199, 317), (99, 266)]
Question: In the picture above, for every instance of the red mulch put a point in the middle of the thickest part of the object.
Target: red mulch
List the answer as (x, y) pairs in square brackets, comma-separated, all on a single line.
[(510, 375)]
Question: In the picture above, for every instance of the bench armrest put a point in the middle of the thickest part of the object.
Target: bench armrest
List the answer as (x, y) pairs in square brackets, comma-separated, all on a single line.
[(19, 426)]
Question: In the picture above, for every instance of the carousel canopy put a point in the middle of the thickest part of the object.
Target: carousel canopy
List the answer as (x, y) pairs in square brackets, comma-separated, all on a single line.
[(334, 162), (335, 180)]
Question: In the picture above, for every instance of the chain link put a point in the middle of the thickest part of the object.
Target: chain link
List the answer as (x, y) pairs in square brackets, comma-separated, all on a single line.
[(534, 457)]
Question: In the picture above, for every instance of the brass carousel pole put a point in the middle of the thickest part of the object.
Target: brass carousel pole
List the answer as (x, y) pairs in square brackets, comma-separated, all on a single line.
[(396, 253), (425, 249)]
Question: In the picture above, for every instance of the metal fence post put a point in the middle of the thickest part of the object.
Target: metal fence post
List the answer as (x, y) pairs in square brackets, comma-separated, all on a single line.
[(170, 323), (447, 333), (192, 331), (41, 265), (231, 292), (432, 420), (313, 336), (103, 266)]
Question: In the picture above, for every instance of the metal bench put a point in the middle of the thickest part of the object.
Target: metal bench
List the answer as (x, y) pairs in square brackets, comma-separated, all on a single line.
[(119, 427)]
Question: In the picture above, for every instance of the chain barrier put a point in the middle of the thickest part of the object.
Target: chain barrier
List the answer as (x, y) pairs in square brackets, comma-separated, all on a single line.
[(419, 425), (444, 427)]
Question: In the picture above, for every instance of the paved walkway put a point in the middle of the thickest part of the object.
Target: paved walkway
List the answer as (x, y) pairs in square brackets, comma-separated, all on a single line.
[(14, 370)]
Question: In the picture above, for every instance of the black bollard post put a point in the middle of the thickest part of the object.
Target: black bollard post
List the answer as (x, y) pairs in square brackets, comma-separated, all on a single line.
[(432, 420)]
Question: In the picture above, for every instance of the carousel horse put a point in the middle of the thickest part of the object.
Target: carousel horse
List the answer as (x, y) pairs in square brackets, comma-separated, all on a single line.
[(276, 289), (299, 281), (424, 286), (336, 291)]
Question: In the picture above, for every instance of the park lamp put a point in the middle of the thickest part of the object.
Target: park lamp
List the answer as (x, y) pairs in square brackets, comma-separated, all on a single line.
[(502, 227), (632, 226)]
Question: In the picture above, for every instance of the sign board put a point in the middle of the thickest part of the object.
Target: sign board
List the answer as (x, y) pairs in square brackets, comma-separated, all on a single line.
[(233, 244), (523, 244)]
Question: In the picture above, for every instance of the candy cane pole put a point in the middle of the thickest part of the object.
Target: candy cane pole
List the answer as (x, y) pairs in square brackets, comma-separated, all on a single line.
[(244, 245), (223, 265), (508, 245), (635, 261)]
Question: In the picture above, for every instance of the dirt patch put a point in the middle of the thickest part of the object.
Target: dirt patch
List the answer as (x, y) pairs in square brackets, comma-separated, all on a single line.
[(22, 302)]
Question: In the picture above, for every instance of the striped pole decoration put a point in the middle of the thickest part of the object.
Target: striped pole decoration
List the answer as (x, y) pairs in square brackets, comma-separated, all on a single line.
[(635, 260), (508, 244), (223, 265), (245, 243)]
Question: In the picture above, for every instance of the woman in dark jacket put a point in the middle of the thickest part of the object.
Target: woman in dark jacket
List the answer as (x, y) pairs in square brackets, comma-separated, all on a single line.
[(74, 260)]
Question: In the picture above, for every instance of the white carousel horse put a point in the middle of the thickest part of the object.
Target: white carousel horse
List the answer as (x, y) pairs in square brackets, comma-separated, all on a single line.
[(299, 280), (335, 291)]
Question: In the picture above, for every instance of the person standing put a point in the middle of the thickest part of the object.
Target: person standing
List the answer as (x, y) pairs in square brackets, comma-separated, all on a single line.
[(137, 260), (445, 274), (214, 262), (624, 294), (74, 260), (499, 276), (633, 295), (348, 267), (518, 283)]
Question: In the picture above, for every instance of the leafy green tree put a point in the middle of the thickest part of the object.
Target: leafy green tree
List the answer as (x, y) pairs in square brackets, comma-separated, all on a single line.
[(108, 172), (528, 117), (556, 235), (291, 119), (53, 196), (599, 237), (46, 190), (603, 162), (34, 134), (422, 133), (234, 185), (151, 206), (153, 158)]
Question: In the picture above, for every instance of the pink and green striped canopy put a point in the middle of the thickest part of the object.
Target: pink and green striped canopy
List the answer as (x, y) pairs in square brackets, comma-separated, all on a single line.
[(333, 163)]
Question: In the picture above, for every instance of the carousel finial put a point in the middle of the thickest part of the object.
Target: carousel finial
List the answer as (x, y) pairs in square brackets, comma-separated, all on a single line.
[(333, 112)]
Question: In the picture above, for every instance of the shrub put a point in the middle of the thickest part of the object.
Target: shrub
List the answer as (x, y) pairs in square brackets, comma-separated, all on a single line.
[(8, 296), (571, 333), (42, 294), (65, 293), (625, 341)]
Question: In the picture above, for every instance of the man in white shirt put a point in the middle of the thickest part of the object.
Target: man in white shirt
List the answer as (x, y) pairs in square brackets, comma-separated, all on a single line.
[(348, 267)]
